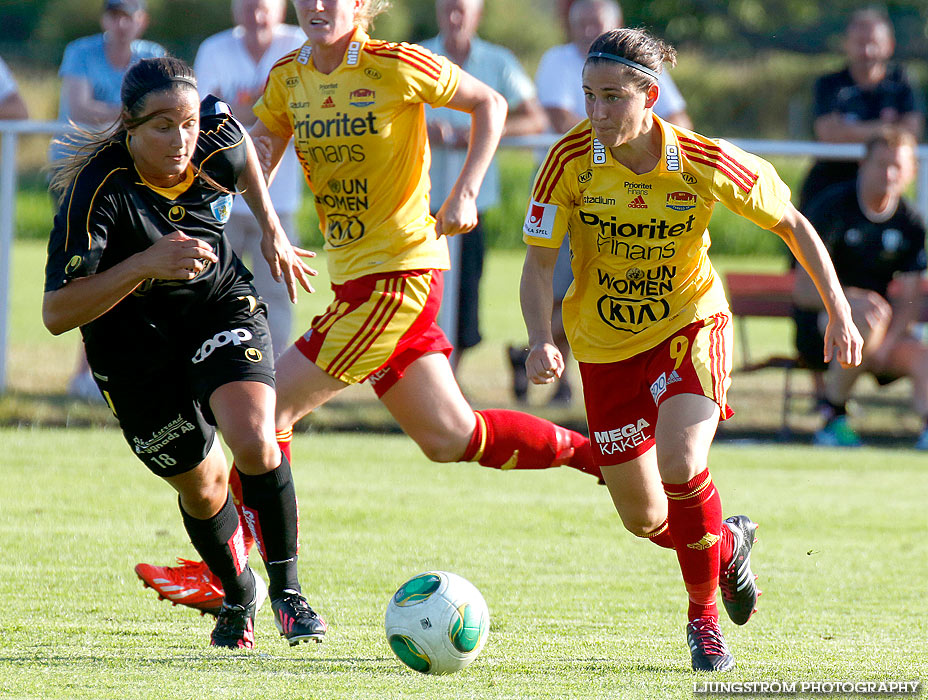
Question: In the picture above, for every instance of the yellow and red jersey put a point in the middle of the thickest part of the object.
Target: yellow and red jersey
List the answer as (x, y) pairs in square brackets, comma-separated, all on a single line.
[(360, 135), (639, 243)]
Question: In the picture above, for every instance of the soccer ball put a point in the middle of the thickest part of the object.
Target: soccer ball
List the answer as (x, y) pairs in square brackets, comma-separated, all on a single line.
[(437, 622)]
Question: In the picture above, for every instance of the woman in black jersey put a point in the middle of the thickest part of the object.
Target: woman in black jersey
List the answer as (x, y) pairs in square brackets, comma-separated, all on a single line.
[(175, 334)]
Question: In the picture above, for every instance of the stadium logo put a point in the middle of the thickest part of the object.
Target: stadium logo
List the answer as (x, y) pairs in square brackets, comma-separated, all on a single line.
[(599, 153), (362, 97), (585, 177), (372, 73), (305, 52), (342, 229), (176, 213), (354, 50), (328, 102), (236, 337), (73, 264), (681, 201), (688, 179), (539, 221), (631, 314), (253, 355), (707, 541), (222, 208), (673, 157), (621, 439)]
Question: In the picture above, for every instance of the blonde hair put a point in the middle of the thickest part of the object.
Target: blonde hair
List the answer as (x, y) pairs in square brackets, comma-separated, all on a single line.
[(369, 10)]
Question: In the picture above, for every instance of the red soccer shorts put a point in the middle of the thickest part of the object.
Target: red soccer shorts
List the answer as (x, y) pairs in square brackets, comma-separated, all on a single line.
[(376, 327), (623, 398)]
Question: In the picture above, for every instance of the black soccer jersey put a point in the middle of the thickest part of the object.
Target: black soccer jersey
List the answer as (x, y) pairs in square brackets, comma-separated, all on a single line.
[(867, 254), (110, 213)]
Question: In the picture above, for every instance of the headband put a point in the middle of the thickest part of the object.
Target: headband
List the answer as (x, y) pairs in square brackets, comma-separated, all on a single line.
[(624, 61), (163, 83)]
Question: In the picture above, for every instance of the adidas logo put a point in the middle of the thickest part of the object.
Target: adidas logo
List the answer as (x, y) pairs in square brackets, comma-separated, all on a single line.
[(329, 102), (707, 541), (674, 378), (638, 203)]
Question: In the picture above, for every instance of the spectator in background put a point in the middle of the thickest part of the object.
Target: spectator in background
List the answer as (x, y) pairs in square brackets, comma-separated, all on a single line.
[(11, 102), (855, 103), (875, 237), (558, 77), (234, 65), (560, 92), (91, 77), (497, 67)]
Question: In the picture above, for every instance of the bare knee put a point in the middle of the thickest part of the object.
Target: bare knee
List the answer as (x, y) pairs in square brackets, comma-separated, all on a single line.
[(443, 447), (205, 499), (644, 523), (254, 452)]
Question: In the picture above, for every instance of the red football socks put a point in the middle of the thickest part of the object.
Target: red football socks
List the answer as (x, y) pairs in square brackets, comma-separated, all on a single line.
[(695, 524), (514, 440)]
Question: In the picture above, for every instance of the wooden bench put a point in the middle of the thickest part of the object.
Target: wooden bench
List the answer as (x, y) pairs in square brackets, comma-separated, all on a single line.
[(770, 295)]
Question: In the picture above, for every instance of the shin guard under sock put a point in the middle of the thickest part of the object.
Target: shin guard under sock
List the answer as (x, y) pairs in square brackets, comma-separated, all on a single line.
[(270, 509), (694, 514), (218, 541)]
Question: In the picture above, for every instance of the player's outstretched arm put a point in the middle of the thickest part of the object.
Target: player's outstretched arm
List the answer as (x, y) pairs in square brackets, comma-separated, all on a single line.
[(842, 339), (545, 362), (173, 257), (487, 108), (283, 258)]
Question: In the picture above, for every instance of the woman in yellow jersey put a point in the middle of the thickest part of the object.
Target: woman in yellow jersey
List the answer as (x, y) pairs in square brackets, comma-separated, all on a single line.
[(354, 108), (647, 316)]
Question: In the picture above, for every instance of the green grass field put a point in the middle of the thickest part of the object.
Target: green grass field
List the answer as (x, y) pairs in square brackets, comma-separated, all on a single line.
[(579, 607)]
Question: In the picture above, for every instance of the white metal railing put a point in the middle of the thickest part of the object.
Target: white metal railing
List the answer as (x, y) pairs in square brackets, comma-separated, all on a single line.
[(11, 130)]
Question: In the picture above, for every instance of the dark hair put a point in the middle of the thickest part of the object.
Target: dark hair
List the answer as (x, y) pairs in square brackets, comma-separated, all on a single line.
[(637, 46), (148, 76)]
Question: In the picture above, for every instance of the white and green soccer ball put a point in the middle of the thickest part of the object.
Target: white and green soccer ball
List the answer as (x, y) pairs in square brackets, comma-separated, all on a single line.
[(437, 622)]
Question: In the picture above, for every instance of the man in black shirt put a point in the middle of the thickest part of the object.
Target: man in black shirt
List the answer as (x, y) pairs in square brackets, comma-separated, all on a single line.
[(854, 103), (875, 238)]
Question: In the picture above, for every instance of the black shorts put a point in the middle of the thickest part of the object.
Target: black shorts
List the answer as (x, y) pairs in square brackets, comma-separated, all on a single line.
[(810, 344), (163, 410)]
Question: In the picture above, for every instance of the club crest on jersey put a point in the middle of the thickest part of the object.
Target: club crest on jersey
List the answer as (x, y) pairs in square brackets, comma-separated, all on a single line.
[(222, 208), (681, 201), (176, 213), (73, 264), (305, 52), (599, 153), (539, 221), (362, 97), (354, 51), (672, 156)]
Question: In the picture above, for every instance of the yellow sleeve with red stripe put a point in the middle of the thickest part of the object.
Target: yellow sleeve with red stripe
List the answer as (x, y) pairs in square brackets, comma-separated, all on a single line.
[(428, 78), (272, 108), (746, 184), (555, 192)]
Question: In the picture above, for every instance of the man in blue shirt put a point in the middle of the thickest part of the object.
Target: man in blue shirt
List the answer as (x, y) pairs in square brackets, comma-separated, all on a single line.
[(449, 131), (93, 66)]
